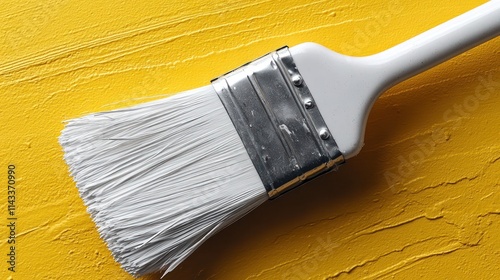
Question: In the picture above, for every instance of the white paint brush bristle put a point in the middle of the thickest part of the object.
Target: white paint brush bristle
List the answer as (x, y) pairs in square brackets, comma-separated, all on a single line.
[(160, 178)]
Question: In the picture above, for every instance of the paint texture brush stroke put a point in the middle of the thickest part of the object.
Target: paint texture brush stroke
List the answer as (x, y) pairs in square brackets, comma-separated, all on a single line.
[(85, 56)]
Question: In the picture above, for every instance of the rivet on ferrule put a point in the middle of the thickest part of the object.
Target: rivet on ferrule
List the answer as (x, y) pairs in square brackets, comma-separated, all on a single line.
[(297, 80), (324, 134), (309, 104)]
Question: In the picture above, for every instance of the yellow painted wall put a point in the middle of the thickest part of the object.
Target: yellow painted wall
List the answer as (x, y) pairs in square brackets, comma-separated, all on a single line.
[(437, 217)]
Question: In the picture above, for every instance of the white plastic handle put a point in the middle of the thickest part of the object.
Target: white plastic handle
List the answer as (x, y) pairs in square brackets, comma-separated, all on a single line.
[(345, 88), (440, 43)]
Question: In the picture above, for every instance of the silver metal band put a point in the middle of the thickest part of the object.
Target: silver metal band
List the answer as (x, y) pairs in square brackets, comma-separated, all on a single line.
[(275, 115)]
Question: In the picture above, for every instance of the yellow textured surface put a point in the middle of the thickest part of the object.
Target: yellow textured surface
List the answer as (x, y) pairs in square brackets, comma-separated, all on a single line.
[(422, 198)]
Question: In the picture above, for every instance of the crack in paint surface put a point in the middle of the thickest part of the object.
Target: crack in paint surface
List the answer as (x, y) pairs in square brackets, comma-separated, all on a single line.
[(440, 221)]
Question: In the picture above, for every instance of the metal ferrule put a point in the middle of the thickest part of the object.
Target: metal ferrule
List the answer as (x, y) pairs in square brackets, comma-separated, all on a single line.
[(275, 115)]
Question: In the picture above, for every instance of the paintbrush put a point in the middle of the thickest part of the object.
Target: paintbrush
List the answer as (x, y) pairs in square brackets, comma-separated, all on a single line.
[(160, 178)]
